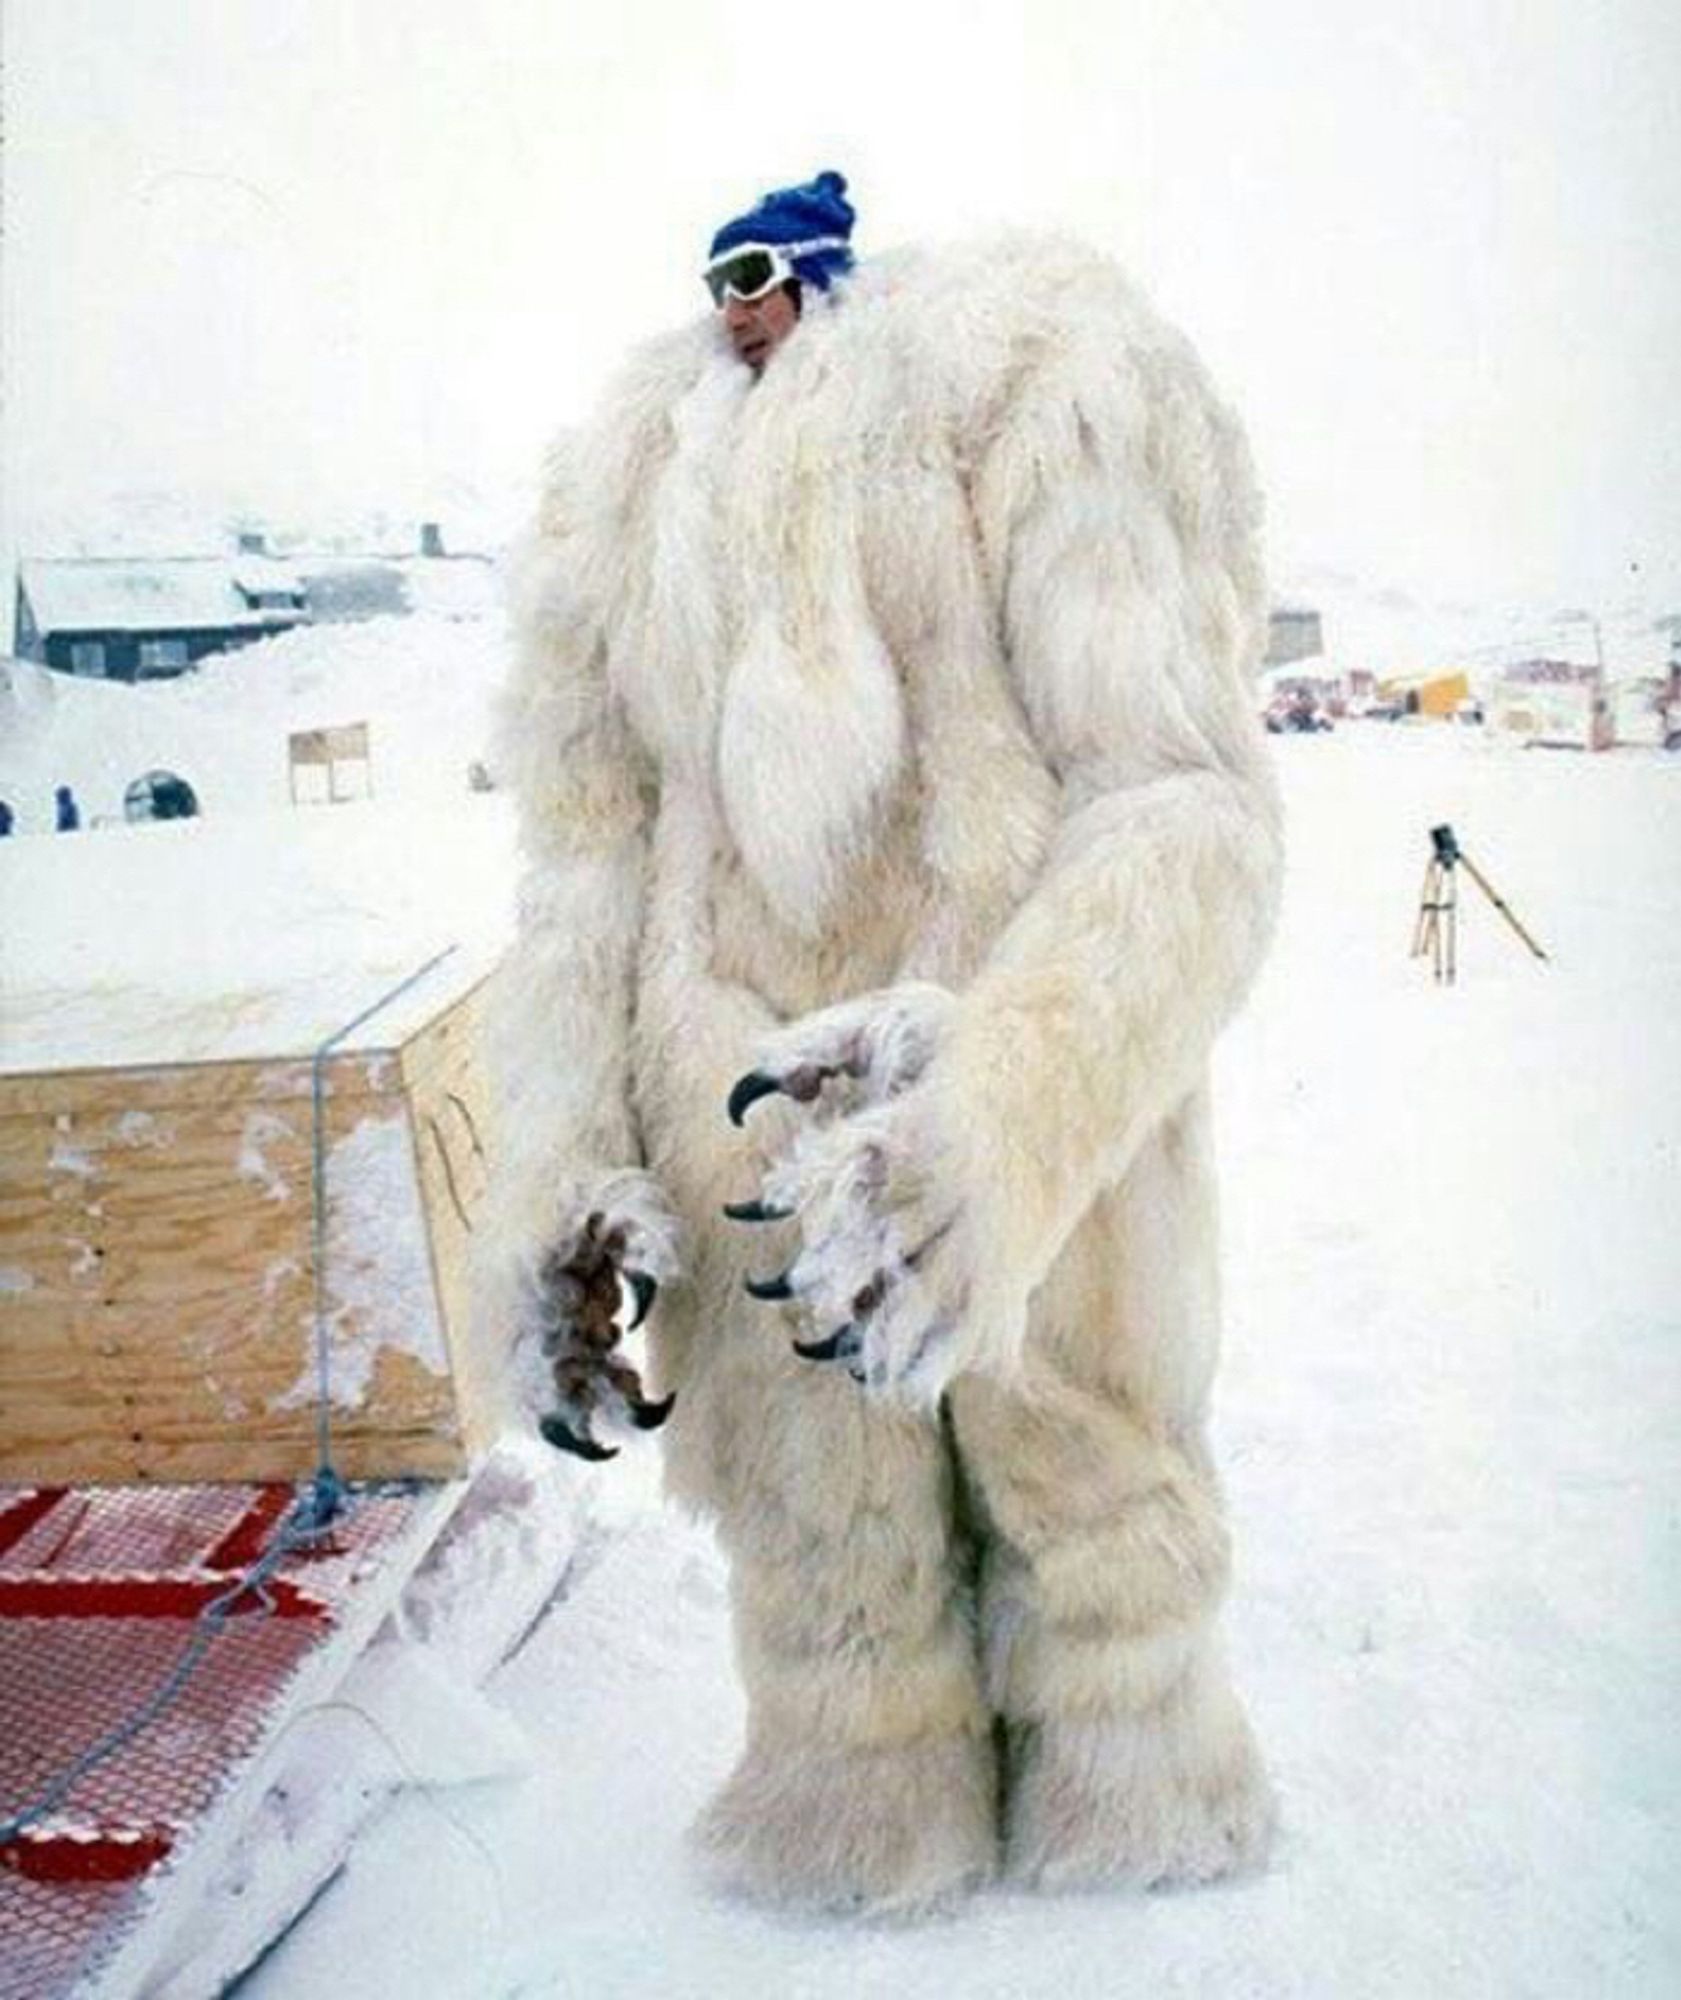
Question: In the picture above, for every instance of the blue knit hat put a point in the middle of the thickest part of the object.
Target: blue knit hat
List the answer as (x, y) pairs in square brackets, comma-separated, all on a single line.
[(812, 223)]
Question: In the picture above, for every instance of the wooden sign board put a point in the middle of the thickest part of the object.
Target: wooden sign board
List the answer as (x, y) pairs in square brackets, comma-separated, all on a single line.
[(158, 1301), (329, 766)]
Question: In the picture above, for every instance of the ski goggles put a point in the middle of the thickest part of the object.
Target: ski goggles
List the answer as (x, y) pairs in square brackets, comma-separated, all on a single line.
[(752, 270)]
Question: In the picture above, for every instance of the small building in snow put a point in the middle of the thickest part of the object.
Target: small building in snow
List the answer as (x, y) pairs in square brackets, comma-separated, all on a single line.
[(1640, 710), (1552, 703), (1438, 693), (127, 619), (1294, 632)]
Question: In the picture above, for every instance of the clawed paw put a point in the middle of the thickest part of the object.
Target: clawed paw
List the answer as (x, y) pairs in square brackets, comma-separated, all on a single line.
[(882, 1043), (592, 1286), (882, 1267)]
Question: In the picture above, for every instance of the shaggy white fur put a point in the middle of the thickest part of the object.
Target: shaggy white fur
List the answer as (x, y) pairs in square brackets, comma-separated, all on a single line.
[(884, 724)]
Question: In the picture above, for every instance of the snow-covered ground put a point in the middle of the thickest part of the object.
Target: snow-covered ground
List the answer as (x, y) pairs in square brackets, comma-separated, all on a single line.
[(424, 686), (261, 926), (1449, 1419)]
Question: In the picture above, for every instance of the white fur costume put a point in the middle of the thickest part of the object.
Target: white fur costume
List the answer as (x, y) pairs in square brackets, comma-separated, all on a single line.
[(915, 676)]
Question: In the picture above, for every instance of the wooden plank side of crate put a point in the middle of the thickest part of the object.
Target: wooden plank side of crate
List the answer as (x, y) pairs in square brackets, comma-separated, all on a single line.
[(156, 1292), (445, 1084), (121, 1395), (191, 1456), (164, 1087)]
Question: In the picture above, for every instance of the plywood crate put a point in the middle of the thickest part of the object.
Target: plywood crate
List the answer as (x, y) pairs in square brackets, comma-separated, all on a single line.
[(158, 1306)]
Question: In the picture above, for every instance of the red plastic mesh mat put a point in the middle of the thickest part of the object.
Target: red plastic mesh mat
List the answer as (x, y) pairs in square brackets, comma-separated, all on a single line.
[(66, 1678)]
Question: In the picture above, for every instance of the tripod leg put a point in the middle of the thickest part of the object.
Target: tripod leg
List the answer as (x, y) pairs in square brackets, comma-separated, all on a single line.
[(1452, 926), (1436, 905), (1499, 903), (1426, 900)]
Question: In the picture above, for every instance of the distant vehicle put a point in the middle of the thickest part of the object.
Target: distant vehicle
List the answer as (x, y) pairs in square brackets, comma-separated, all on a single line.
[(1295, 714), (1380, 708)]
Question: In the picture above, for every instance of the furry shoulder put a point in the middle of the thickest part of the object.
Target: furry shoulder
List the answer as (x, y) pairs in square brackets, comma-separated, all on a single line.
[(630, 426), (969, 326)]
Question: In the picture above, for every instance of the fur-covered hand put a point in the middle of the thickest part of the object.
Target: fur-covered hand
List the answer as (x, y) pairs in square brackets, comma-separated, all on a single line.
[(890, 1271), (616, 1235)]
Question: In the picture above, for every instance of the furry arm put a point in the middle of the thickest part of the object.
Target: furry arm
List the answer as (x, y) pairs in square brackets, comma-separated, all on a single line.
[(1117, 526), (1121, 523), (1094, 1017), (566, 991)]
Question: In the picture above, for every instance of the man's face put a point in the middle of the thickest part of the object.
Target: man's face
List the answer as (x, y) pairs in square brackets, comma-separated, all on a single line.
[(757, 327)]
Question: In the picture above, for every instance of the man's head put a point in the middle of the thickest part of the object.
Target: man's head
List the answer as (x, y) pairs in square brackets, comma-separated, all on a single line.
[(760, 263), (757, 326)]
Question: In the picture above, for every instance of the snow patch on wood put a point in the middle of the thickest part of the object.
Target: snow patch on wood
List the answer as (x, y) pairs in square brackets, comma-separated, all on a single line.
[(263, 1128), (378, 1273)]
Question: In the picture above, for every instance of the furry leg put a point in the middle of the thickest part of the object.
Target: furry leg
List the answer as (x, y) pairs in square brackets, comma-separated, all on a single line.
[(868, 1782), (1129, 1760), (1169, 1794)]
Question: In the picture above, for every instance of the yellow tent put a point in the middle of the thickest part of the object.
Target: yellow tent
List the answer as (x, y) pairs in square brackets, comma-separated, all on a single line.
[(1437, 694)]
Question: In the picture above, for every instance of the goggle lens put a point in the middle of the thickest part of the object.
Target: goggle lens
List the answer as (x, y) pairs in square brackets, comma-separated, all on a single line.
[(747, 277)]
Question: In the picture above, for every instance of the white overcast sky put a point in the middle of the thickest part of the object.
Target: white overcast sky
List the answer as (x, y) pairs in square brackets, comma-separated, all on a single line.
[(313, 256)]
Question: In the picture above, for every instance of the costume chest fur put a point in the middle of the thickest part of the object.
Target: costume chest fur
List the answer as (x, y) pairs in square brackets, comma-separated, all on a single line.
[(838, 616)]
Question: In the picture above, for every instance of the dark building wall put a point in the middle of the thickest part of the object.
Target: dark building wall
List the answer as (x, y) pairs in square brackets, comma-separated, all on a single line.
[(122, 652), (122, 649), (26, 637)]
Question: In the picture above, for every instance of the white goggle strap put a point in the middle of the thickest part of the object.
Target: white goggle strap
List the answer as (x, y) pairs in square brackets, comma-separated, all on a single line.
[(811, 246), (782, 255)]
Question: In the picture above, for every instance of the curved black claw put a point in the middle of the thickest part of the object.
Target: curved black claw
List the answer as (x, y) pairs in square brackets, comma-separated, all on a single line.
[(645, 1290), (771, 1290), (832, 1348), (755, 1211), (649, 1416), (556, 1433), (747, 1092)]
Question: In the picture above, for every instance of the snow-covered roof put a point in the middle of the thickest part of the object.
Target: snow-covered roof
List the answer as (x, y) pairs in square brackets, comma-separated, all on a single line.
[(165, 594), (454, 586), (1537, 673), (352, 586), (261, 575)]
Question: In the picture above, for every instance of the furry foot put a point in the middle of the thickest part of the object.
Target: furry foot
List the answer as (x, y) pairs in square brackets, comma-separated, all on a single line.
[(1175, 1795), (902, 1831)]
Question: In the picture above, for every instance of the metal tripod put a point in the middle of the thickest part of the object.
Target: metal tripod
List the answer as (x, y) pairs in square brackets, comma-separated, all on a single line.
[(1437, 930)]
